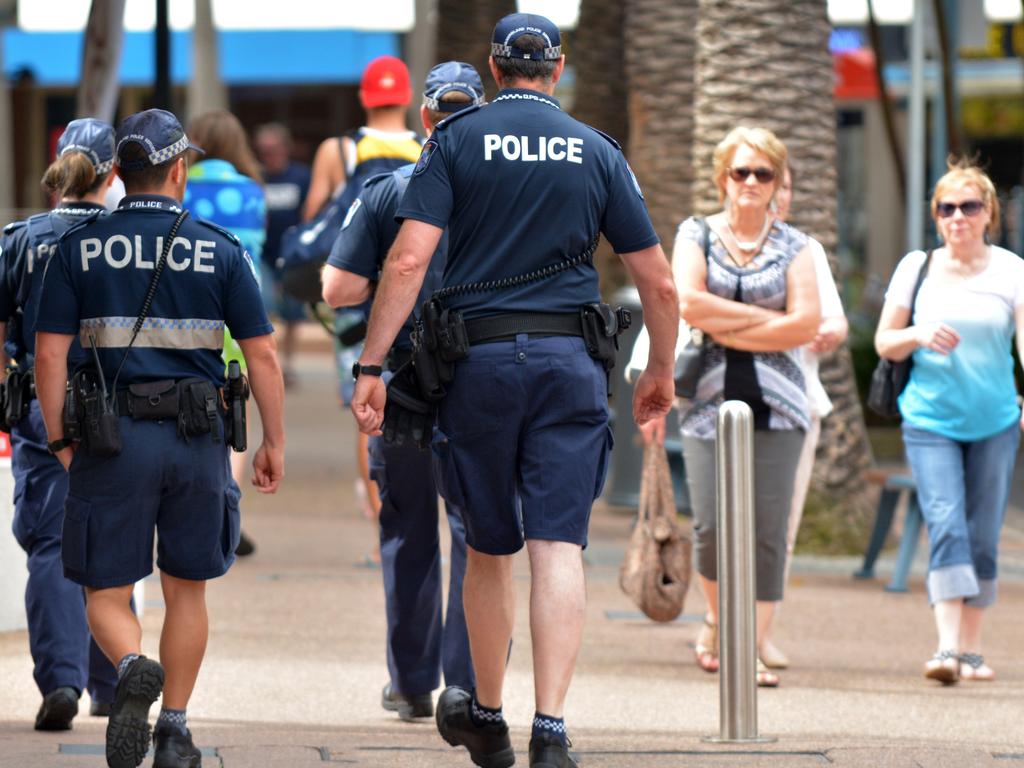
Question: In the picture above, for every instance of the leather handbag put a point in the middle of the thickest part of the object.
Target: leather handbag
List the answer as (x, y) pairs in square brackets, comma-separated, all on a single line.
[(656, 570), (890, 377)]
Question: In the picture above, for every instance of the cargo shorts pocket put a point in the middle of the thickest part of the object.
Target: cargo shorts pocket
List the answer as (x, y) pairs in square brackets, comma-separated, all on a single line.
[(231, 528), (74, 544), (446, 474), (602, 466)]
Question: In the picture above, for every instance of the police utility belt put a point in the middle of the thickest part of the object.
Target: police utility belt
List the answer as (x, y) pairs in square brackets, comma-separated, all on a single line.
[(92, 416), (16, 394)]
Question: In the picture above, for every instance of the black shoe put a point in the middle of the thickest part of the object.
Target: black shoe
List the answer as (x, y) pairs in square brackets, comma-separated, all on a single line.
[(99, 708), (408, 707), (488, 745), (58, 709), (246, 546), (549, 752), (128, 726), (174, 749)]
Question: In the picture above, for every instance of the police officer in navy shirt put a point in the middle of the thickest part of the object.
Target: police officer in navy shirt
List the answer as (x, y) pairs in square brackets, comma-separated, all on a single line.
[(523, 434), (171, 473), (66, 661), (419, 643)]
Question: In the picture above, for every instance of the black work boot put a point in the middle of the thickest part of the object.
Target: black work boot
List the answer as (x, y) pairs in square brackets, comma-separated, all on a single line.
[(488, 745), (58, 709), (174, 749), (408, 707), (549, 752), (128, 726)]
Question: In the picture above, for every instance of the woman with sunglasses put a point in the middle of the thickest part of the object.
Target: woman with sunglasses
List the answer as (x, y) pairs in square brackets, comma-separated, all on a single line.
[(960, 414), (755, 296)]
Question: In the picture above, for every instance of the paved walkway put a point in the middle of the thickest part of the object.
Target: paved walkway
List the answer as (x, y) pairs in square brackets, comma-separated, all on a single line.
[(296, 660)]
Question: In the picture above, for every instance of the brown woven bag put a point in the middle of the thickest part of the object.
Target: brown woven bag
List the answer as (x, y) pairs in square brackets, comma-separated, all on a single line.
[(656, 570)]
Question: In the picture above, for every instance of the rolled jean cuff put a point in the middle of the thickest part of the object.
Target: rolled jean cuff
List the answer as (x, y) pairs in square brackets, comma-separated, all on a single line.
[(987, 593), (952, 582)]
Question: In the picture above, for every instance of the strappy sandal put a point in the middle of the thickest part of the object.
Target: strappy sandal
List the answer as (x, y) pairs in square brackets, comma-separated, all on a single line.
[(973, 667), (944, 666), (765, 677), (706, 647)]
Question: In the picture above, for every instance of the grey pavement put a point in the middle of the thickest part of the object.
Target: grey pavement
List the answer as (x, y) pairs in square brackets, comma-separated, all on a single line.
[(295, 664)]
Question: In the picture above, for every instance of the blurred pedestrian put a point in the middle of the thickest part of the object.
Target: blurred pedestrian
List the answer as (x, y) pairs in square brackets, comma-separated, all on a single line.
[(419, 643), (755, 297), (67, 660), (285, 184), (523, 441), (831, 333), (961, 418), (225, 187)]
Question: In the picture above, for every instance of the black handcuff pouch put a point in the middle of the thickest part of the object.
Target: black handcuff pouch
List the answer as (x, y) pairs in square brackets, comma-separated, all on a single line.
[(601, 326), (153, 400), (199, 409)]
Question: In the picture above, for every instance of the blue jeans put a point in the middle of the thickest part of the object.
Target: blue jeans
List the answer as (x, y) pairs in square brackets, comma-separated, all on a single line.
[(963, 489)]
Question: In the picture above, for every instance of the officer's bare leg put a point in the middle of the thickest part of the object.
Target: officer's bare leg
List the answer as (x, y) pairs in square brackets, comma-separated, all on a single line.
[(183, 640), (488, 597), (558, 597), (114, 626)]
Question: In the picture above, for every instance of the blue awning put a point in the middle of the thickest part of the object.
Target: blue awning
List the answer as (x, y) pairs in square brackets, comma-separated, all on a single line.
[(247, 57)]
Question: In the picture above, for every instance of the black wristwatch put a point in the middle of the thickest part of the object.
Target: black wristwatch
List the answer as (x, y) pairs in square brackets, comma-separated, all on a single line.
[(365, 370), (56, 446)]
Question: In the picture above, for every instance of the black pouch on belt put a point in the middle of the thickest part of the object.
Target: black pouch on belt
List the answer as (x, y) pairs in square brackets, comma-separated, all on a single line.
[(18, 396), (199, 409), (601, 328), (153, 400)]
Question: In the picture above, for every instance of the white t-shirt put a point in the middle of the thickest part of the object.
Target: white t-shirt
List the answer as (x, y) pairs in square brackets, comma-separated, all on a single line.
[(831, 306)]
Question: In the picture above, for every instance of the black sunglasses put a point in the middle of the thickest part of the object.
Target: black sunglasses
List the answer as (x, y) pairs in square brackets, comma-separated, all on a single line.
[(763, 175), (969, 207)]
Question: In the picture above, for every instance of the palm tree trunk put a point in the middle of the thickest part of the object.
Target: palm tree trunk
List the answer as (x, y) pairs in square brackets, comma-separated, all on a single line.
[(101, 61), (766, 62), (464, 33)]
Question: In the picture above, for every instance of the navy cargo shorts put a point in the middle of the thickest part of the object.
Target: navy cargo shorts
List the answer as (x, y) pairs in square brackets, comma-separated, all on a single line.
[(159, 483), (523, 442)]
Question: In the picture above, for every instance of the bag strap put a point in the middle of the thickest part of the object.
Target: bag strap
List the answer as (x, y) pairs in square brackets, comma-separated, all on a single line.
[(147, 303), (920, 279)]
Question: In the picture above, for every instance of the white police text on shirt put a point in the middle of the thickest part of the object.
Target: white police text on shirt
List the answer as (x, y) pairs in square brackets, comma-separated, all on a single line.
[(120, 252), (534, 148)]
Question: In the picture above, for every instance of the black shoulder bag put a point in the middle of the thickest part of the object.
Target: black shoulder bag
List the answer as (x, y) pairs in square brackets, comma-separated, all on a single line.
[(890, 378), (690, 359)]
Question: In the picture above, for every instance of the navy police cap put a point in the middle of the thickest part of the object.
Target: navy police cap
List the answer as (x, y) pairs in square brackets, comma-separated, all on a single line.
[(514, 26), (448, 77), (93, 138), (160, 135)]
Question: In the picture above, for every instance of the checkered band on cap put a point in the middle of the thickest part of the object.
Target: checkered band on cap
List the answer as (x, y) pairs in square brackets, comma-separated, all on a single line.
[(434, 100), (504, 51), (165, 154), (100, 168)]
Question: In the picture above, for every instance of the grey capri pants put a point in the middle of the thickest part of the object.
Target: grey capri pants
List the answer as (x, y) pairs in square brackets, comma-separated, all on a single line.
[(776, 454)]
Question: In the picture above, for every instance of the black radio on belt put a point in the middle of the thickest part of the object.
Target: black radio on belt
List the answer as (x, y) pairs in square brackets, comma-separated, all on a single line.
[(439, 341)]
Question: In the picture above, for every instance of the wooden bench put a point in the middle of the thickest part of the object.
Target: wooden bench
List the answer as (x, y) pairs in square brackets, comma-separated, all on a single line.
[(894, 485)]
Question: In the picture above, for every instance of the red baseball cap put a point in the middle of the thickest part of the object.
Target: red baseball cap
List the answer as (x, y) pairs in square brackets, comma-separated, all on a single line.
[(386, 83)]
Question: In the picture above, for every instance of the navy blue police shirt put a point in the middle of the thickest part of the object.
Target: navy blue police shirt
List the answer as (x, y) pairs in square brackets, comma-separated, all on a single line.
[(25, 250), (96, 282), (368, 231), (521, 185)]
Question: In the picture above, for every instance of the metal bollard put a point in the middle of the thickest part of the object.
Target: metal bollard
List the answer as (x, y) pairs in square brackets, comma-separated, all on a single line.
[(737, 625)]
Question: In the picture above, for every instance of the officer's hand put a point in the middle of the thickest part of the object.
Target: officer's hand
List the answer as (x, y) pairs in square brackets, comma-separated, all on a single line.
[(65, 455), (368, 404), (268, 468), (653, 431), (652, 397)]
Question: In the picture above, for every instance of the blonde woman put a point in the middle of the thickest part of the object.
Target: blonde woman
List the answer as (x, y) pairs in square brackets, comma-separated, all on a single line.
[(959, 409), (755, 296)]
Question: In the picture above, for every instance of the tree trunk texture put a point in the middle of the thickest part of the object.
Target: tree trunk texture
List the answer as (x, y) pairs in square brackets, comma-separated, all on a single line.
[(766, 62), (660, 62), (596, 54), (464, 33), (206, 91), (101, 61)]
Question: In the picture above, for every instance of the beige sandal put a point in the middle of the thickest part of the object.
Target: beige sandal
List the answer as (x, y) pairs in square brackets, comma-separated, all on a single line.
[(944, 666), (706, 647), (765, 677), (973, 667)]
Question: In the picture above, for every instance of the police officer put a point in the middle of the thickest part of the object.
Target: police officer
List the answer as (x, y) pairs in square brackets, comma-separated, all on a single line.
[(419, 643), (523, 434), (66, 660), (149, 292)]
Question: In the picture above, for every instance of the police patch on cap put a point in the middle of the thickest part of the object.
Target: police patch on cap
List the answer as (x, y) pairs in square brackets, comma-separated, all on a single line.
[(428, 152)]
